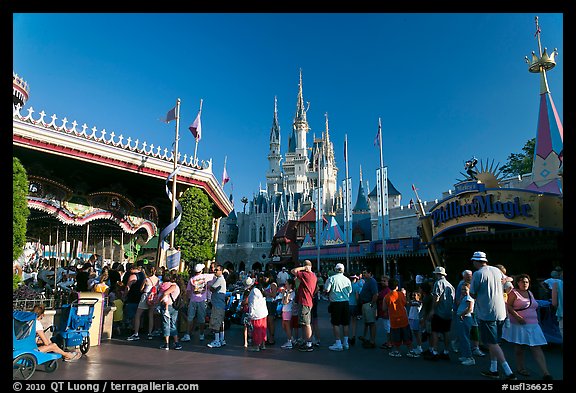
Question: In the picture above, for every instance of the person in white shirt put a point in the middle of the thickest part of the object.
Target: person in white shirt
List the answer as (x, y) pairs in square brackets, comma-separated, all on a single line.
[(44, 344)]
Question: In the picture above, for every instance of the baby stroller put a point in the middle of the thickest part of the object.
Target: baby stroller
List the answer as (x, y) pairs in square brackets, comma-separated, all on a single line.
[(25, 353), (75, 322)]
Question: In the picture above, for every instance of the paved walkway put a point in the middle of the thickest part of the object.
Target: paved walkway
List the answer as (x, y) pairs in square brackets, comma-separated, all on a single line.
[(118, 359)]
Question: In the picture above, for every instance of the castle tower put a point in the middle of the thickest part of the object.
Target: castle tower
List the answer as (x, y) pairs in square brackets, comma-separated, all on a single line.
[(549, 149), (274, 175), (296, 159), (329, 172)]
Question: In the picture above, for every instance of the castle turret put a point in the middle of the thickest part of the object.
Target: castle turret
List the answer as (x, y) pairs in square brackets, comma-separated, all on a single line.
[(20, 90), (274, 175)]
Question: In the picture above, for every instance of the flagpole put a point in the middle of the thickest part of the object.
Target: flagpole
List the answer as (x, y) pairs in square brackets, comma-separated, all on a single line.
[(196, 147), (224, 172), (347, 205), (383, 198), (318, 216), (173, 213)]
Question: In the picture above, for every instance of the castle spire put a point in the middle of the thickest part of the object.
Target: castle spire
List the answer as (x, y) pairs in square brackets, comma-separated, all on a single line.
[(275, 130), (549, 150), (300, 110)]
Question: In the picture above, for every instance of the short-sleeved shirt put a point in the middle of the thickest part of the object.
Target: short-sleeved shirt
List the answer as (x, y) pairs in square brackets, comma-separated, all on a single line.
[(198, 286), (486, 287), (396, 302), (338, 287), (443, 289), (219, 297), (369, 289), (306, 288), (464, 305), (356, 287)]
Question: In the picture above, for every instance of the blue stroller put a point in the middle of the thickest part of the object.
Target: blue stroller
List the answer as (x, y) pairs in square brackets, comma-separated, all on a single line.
[(25, 353), (74, 325)]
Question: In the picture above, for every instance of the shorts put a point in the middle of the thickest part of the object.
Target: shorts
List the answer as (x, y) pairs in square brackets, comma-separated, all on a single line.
[(339, 313), (143, 304), (286, 315), (368, 313), (490, 331), (399, 336), (440, 325), (383, 323), (305, 318), (294, 322), (354, 310), (474, 333), (271, 306), (197, 310), (216, 318)]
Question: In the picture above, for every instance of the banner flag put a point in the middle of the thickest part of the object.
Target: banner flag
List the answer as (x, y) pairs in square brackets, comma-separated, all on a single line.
[(196, 127), (171, 115), (166, 231)]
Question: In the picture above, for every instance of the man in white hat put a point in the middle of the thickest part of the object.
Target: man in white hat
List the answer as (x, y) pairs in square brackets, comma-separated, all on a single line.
[(443, 294), (282, 276), (490, 310), (338, 287), (197, 292)]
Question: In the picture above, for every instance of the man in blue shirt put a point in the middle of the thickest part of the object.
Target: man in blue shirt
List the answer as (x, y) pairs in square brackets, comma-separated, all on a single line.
[(368, 299)]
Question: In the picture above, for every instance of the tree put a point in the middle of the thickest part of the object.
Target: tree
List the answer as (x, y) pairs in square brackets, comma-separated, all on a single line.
[(20, 211), (244, 200), (194, 233), (521, 163)]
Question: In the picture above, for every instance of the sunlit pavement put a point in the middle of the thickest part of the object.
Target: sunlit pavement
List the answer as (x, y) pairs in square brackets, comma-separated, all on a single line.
[(118, 359)]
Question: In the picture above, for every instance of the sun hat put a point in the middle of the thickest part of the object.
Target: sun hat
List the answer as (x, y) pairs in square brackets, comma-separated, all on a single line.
[(354, 276), (248, 282), (339, 267), (440, 270), (479, 256), (199, 267)]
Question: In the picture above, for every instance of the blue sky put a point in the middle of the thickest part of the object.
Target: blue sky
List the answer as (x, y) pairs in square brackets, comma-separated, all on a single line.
[(446, 86)]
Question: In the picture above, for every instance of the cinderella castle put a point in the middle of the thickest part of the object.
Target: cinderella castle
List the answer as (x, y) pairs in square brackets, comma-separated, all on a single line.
[(249, 239)]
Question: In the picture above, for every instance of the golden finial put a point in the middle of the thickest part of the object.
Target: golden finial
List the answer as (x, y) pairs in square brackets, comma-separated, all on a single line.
[(542, 62)]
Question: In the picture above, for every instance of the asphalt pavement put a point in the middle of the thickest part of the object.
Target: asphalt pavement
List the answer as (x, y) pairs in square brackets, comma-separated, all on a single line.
[(120, 360)]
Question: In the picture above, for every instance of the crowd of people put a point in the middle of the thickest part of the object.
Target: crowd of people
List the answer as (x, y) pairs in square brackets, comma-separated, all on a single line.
[(429, 319)]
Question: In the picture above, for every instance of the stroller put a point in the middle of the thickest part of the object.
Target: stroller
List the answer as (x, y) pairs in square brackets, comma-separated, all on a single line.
[(25, 353), (75, 322)]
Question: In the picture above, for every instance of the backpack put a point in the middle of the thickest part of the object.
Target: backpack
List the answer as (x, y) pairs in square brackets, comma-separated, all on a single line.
[(177, 303), (152, 298)]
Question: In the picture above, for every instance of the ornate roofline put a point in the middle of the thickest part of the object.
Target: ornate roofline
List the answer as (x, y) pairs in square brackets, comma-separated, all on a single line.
[(108, 149)]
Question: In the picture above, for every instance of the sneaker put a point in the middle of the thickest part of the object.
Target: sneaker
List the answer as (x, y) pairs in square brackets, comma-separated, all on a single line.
[(386, 346), (352, 341), (510, 377), (345, 346), (468, 362), (150, 336), (222, 343), (462, 358), (214, 344), (287, 345), (201, 337), (133, 337), (478, 352), (491, 374), (177, 346), (395, 354), (262, 347), (413, 354), (306, 348), (165, 346), (254, 349), (418, 351), (185, 337), (316, 343), (336, 347)]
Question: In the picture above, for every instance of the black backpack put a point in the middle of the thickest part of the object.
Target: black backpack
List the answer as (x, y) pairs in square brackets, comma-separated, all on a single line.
[(177, 303)]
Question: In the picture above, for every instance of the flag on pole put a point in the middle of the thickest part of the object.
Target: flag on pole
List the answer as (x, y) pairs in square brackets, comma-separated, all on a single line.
[(537, 31), (225, 177), (413, 187), (196, 127), (378, 134), (171, 115)]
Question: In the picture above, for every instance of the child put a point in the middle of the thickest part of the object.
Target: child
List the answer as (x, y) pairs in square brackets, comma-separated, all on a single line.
[(414, 322), (288, 296), (165, 301), (400, 332), (118, 302)]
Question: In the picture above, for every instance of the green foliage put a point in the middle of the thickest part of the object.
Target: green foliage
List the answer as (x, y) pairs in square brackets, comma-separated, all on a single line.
[(194, 233), (20, 211), (16, 280), (132, 251), (521, 163)]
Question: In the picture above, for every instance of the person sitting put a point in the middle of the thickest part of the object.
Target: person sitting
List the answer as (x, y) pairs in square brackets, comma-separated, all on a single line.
[(44, 344)]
